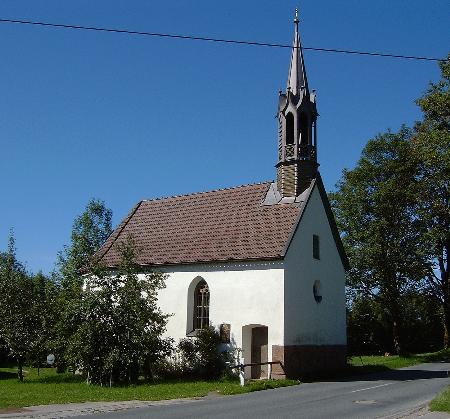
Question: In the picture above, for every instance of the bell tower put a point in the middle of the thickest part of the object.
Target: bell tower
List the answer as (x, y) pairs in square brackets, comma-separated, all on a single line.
[(297, 136)]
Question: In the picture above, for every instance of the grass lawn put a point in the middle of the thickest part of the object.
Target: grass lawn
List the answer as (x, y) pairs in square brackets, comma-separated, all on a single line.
[(365, 364), (52, 388), (441, 402)]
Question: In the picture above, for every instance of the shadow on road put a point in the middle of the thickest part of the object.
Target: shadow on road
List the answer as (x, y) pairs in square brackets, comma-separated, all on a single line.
[(383, 373), (5, 375)]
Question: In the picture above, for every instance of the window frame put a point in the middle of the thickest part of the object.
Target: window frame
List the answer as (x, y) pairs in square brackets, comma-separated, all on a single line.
[(201, 306), (316, 247)]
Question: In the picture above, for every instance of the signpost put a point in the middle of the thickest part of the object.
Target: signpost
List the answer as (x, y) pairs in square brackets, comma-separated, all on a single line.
[(50, 359)]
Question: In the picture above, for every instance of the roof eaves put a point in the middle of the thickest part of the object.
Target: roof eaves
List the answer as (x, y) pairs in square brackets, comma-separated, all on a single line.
[(127, 220), (205, 262), (332, 222)]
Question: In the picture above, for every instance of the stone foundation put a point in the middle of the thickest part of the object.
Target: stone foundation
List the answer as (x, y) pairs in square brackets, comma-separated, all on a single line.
[(307, 360)]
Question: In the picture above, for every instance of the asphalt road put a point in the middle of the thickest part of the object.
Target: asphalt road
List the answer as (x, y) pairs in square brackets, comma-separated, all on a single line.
[(390, 394)]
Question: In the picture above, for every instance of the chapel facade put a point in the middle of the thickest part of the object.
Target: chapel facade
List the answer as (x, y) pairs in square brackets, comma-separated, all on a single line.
[(263, 263)]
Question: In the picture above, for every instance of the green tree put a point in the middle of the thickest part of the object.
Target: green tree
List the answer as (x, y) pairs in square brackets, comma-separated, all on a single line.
[(375, 205), (16, 322), (120, 332), (369, 331), (368, 328), (432, 150), (90, 230), (25, 319), (45, 313)]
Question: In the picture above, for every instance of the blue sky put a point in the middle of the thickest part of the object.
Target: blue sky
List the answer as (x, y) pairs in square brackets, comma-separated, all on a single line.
[(123, 118)]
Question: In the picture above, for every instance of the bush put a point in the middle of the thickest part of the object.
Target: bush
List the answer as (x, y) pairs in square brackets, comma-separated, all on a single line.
[(201, 356)]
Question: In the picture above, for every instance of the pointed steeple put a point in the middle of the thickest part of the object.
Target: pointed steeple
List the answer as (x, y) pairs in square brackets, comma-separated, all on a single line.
[(297, 74), (297, 135)]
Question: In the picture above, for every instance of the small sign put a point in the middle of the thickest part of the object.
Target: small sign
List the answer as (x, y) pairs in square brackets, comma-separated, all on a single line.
[(225, 329), (50, 359)]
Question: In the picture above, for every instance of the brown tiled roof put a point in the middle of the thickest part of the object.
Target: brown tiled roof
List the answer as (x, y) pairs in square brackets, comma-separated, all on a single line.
[(222, 225)]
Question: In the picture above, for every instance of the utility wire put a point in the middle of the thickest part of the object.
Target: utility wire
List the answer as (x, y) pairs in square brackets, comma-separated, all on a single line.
[(226, 41)]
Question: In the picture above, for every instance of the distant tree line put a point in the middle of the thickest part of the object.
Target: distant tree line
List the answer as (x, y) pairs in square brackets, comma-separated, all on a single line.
[(393, 210)]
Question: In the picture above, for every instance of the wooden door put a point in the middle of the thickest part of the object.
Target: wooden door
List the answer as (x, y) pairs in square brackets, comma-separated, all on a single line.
[(259, 351)]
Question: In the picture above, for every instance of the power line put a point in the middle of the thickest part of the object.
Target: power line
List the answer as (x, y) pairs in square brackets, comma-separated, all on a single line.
[(226, 41)]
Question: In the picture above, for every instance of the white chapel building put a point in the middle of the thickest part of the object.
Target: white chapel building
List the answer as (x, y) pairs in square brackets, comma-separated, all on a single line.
[(263, 263)]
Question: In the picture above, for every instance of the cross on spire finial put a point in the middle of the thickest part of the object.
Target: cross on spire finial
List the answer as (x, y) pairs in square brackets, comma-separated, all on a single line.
[(297, 74)]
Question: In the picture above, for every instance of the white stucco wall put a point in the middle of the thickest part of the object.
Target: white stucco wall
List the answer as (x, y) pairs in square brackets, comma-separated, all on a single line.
[(240, 294), (306, 321)]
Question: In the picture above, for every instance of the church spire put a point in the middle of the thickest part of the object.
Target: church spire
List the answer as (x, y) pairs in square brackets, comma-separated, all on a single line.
[(297, 116), (297, 74)]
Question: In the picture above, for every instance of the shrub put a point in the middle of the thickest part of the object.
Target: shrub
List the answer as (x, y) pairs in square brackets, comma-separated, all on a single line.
[(201, 356)]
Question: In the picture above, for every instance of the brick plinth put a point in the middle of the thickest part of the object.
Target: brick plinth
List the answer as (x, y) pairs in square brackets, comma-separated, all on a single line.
[(307, 360)]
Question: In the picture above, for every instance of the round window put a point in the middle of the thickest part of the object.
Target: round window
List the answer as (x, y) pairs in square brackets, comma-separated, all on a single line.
[(317, 290)]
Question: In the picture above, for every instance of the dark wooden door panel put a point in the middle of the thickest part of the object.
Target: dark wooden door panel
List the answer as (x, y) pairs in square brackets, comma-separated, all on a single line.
[(259, 351)]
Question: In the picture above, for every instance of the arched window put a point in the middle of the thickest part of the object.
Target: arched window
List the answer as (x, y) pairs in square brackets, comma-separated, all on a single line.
[(290, 129), (304, 129), (201, 305)]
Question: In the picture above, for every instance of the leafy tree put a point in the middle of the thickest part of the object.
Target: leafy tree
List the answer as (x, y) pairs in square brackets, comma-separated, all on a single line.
[(432, 150), (375, 205), (16, 323), (90, 230), (45, 313), (368, 328), (423, 325), (25, 319), (120, 328), (369, 331)]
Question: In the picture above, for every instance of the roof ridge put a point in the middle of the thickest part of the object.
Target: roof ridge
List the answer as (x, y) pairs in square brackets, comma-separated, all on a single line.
[(206, 192)]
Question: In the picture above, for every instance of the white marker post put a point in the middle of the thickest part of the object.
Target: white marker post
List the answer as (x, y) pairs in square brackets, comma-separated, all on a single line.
[(241, 372)]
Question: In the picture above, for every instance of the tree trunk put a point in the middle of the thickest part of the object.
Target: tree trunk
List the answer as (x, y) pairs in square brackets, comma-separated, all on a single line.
[(396, 337), (445, 283), (447, 280), (446, 309), (446, 329), (395, 312), (20, 373)]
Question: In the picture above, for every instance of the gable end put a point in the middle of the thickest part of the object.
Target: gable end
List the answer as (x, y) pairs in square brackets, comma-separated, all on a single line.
[(330, 216)]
